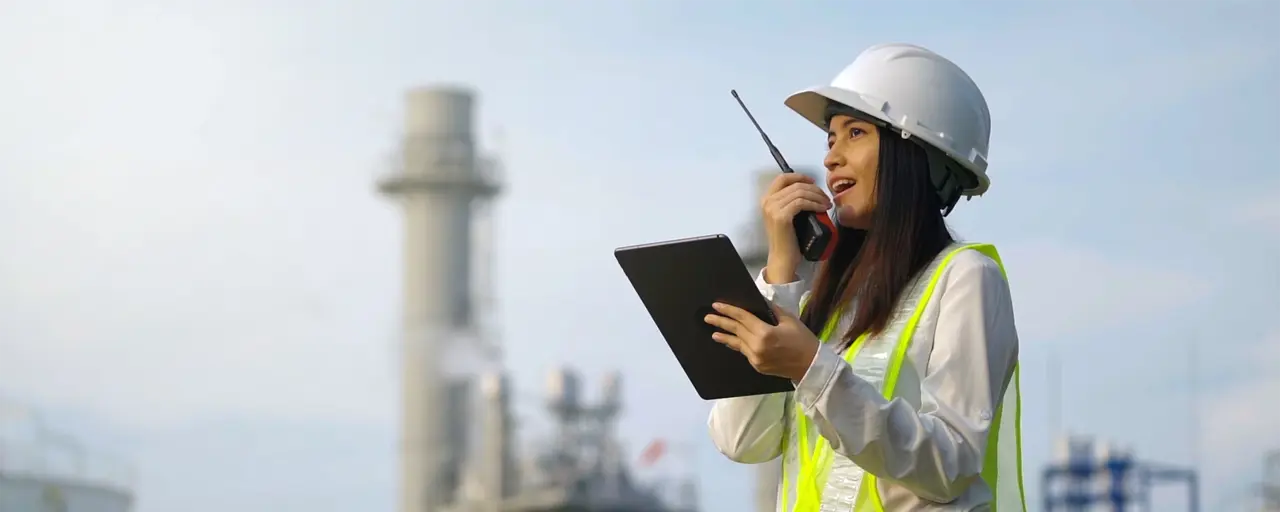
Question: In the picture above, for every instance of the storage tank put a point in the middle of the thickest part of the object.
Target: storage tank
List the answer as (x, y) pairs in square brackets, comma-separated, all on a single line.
[(34, 493), (42, 470)]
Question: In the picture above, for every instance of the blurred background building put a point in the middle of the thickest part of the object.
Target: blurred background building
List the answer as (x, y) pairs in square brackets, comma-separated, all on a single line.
[(458, 446), (44, 470), (1088, 475)]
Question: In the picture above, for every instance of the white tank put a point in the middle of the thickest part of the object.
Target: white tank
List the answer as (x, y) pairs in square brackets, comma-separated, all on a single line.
[(563, 389), (44, 470), (1075, 449), (493, 386), (611, 390), (496, 468), (37, 494)]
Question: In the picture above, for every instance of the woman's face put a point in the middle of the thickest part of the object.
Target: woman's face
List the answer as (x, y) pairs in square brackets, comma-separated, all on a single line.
[(853, 154)]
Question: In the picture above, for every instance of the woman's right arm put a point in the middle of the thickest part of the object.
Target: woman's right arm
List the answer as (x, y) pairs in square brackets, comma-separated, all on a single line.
[(749, 429)]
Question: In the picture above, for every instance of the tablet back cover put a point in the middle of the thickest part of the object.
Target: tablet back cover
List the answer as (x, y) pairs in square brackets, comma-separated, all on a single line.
[(677, 281)]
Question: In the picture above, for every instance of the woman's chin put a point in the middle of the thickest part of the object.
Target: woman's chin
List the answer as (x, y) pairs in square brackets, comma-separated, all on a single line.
[(850, 218)]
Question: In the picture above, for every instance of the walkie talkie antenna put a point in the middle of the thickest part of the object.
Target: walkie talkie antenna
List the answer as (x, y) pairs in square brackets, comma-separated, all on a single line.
[(777, 155), (815, 233)]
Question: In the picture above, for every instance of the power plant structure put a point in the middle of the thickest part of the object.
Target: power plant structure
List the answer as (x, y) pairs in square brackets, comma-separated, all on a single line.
[(1099, 476), (44, 470), (754, 250), (1269, 488), (458, 444)]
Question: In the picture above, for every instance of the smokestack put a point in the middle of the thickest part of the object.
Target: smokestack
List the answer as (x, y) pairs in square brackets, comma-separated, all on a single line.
[(438, 183), (497, 464)]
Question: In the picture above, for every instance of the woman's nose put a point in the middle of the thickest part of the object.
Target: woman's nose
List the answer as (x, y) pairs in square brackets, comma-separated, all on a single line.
[(832, 161)]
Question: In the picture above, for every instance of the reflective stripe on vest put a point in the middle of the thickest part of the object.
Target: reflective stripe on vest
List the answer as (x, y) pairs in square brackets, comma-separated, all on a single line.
[(827, 481)]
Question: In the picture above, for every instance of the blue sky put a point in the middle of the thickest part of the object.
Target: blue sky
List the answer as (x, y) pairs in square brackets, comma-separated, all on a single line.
[(197, 273)]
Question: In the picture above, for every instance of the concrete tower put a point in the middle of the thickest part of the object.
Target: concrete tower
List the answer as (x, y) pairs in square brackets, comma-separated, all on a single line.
[(441, 183), (1271, 482)]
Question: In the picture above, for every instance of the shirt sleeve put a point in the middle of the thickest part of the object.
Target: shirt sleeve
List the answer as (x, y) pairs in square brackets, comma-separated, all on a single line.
[(749, 429), (937, 451)]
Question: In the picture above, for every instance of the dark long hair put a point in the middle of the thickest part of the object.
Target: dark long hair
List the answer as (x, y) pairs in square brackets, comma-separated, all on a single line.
[(876, 266)]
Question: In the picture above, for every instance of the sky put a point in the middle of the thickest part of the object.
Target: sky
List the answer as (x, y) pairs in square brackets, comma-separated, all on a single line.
[(198, 277)]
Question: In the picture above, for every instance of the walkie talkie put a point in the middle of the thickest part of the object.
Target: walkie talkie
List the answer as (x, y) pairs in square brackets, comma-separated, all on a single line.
[(815, 232)]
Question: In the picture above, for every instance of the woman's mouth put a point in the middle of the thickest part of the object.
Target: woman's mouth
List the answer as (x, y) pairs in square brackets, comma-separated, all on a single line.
[(840, 186)]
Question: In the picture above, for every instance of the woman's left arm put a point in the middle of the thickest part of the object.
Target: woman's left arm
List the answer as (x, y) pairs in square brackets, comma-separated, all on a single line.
[(938, 451)]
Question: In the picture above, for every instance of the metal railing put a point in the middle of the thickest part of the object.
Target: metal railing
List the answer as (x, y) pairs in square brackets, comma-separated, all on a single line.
[(45, 462), (43, 452), (450, 157)]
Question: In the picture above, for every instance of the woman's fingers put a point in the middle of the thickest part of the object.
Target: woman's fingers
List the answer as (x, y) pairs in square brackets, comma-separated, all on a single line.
[(790, 210), (805, 191), (743, 317), (781, 207), (784, 180), (728, 340), (727, 324)]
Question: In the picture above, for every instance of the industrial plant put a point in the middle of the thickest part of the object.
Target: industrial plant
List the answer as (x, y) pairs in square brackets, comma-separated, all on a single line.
[(1089, 475), (458, 448), (45, 470)]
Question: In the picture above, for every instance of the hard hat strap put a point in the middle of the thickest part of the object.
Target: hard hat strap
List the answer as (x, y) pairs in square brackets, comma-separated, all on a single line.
[(945, 175)]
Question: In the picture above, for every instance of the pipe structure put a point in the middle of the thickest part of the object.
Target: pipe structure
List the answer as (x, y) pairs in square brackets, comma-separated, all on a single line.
[(1118, 491)]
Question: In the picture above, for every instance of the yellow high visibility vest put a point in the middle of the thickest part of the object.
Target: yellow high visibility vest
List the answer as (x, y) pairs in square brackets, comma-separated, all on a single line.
[(813, 489)]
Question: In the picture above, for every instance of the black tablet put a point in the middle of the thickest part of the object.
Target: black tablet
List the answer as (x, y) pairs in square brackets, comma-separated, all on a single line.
[(677, 281)]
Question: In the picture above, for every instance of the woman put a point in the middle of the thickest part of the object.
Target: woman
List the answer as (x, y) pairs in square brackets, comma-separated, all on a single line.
[(902, 347)]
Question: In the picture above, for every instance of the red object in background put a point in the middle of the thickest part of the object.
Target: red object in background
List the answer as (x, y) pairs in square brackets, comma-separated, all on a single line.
[(656, 449)]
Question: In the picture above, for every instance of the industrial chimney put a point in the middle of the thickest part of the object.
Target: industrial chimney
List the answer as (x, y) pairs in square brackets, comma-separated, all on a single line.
[(441, 183)]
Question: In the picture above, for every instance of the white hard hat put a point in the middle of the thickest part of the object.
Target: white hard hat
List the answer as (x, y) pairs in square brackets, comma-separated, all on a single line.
[(917, 92)]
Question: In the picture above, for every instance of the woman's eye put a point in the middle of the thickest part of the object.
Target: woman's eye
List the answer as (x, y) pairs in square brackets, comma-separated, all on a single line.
[(856, 132)]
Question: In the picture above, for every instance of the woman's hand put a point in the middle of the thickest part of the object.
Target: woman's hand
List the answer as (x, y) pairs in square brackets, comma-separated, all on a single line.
[(788, 195), (783, 350)]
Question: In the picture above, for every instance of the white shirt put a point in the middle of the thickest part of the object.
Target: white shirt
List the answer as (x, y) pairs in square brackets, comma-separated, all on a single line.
[(926, 446)]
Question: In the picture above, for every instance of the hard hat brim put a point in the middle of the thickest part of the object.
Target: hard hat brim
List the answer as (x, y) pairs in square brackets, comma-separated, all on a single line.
[(811, 104)]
